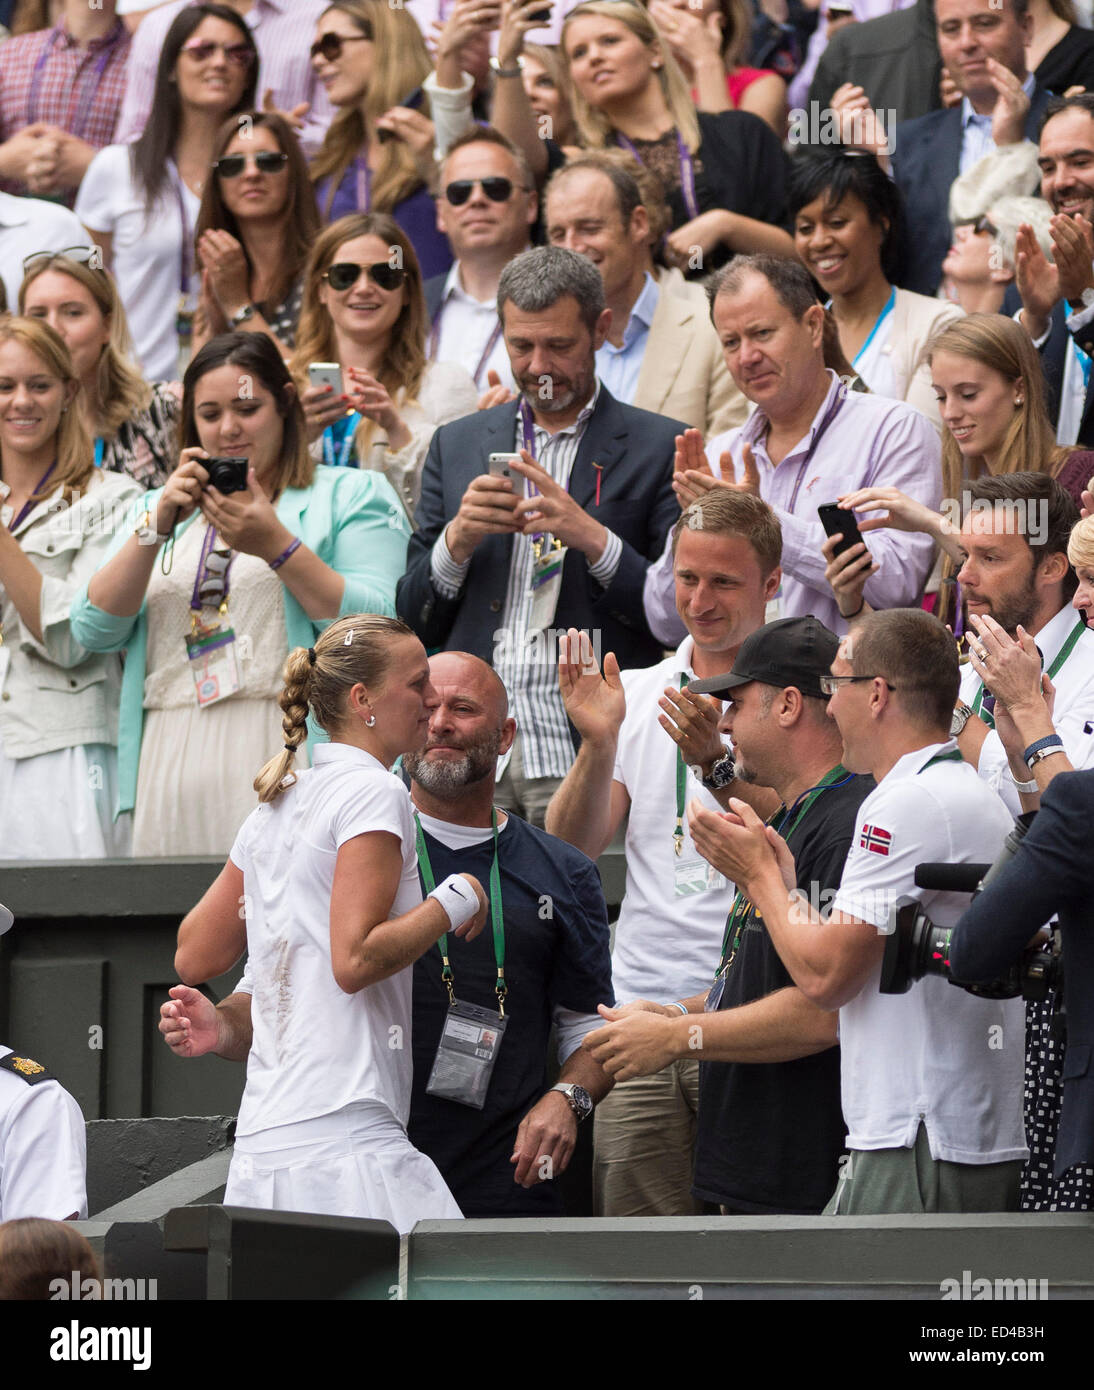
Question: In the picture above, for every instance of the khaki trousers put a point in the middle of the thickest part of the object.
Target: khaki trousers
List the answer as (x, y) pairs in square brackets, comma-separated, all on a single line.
[(644, 1145)]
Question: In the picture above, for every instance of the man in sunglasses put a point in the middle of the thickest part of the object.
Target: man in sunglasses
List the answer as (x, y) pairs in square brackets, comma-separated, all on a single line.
[(931, 1079), (287, 80), (487, 207), (499, 564)]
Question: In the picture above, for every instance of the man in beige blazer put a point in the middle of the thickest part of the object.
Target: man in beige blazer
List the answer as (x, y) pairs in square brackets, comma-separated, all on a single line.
[(662, 353)]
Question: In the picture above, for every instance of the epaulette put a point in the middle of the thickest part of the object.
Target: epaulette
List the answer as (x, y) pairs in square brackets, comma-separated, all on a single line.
[(32, 1072)]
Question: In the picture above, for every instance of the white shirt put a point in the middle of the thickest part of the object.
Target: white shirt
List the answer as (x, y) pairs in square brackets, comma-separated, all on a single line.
[(666, 947), (316, 1049), (28, 225), (936, 1054), (43, 1151), (462, 329), (1072, 711), (153, 257)]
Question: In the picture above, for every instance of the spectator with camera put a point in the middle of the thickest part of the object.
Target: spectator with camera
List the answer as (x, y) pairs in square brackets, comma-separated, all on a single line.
[(931, 1128)]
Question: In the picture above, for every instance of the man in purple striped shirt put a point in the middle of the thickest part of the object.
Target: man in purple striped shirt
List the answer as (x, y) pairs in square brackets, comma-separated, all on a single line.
[(808, 442), (282, 31)]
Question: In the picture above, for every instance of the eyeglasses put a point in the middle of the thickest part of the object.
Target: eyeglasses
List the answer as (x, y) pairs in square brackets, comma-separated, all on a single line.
[(979, 226), (343, 275), (230, 166), (330, 45), (498, 190), (241, 55), (830, 684), (81, 254)]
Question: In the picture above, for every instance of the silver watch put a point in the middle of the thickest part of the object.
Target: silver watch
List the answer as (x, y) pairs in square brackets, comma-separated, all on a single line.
[(961, 716), (581, 1102)]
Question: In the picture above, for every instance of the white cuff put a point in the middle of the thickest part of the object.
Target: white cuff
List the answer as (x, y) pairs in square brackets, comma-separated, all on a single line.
[(448, 576), (458, 898)]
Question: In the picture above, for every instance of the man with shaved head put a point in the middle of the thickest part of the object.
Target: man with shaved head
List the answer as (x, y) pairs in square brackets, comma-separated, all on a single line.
[(499, 1138)]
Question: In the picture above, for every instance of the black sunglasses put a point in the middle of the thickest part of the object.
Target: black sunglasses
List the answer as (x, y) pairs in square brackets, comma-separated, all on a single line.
[(230, 166), (343, 275), (498, 190), (330, 45)]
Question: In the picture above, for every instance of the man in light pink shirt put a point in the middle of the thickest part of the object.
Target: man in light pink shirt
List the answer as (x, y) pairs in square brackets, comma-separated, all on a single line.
[(283, 31), (807, 443)]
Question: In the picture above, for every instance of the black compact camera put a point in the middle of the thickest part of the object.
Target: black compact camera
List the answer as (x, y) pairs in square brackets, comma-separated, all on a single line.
[(228, 474), (916, 946)]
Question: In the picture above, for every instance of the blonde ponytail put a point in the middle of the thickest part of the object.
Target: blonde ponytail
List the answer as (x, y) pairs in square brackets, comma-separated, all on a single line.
[(278, 773)]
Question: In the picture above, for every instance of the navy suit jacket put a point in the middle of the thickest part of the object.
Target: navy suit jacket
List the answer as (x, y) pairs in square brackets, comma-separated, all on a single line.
[(1054, 352), (1051, 873), (634, 450), (926, 159), (434, 293)]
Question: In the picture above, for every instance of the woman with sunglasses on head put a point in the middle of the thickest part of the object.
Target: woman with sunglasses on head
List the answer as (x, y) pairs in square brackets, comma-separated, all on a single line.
[(133, 423), (140, 202), (848, 220), (262, 550), (378, 153), (364, 310), (58, 700), (723, 172), (257, 223)]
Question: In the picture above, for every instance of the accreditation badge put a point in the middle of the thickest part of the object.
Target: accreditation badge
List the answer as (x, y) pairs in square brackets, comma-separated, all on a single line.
[(695, 875), (546, 583), (469, 1046), (714, 994), (214, 665)]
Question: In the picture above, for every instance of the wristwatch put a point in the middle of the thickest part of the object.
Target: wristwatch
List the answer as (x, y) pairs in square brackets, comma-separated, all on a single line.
[(961, 716), (242, 315), (581, 1102), (507, 72), (721, 773)]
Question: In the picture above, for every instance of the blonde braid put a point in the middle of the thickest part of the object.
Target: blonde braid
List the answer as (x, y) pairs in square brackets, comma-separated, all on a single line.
[(278, 773)]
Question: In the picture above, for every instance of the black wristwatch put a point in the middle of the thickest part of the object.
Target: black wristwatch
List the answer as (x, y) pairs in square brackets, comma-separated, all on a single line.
[(721, 773), (581, 1102)]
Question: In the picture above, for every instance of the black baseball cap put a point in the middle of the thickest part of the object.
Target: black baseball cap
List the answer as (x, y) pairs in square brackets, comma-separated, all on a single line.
[(792, 651)]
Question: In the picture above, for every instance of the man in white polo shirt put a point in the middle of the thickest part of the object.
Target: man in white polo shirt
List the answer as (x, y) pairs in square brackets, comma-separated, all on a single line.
[(669, 934), (931, 1079)]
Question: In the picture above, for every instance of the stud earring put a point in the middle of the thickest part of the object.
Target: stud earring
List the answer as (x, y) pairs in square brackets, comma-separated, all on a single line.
[(370, 721)]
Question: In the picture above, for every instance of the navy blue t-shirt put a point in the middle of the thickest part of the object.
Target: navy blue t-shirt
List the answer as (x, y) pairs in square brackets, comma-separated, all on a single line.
[(556, 955)]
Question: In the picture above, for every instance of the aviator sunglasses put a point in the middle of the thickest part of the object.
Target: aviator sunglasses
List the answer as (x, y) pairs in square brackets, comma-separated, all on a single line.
[(330, 44), (498, 190), (239, 54), (230, 166), (343, 275)]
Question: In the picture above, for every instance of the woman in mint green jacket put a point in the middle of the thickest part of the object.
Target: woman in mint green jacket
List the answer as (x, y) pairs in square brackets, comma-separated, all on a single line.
[(223, 572)]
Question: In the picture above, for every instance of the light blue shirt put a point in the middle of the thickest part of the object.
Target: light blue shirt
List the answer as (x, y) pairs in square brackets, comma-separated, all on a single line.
[(976, 139), (618, 367)]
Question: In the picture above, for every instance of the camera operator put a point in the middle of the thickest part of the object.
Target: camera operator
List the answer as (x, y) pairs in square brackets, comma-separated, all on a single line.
[(931, 1079)]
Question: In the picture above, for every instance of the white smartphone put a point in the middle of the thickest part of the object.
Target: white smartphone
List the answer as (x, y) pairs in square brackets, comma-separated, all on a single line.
[(497, 465), (326, 374)]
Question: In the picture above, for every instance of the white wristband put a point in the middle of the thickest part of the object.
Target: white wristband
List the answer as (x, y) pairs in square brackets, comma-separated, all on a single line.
[(458, 898)]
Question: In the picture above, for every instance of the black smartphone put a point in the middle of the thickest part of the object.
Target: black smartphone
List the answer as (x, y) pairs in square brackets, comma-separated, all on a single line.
[(541, 16), (413, 100), (839, 521), (228, 474)]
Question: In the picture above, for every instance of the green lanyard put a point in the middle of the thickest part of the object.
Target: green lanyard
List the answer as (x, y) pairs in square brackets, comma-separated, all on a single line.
[(951, 757), (1061, 656), (742, 910), (496, 918), (681, 789)]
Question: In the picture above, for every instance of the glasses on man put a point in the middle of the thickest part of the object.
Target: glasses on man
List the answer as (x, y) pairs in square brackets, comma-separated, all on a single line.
[(330, 45), (498, 190), (343, 275), (230, 166), (830, 684), (240, 55), (81, 254)]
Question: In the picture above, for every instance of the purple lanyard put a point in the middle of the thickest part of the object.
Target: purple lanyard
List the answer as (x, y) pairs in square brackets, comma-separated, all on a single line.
[(186, 250), (196, 604), (435, 338), (33, 500), (86, 100), (830, 414), (687, 169), (364, 184)]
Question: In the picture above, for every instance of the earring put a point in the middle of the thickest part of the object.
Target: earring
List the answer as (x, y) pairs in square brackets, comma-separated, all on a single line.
[(370, 721)]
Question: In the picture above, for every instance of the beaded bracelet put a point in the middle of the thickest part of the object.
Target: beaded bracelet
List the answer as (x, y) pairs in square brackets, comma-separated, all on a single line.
[(289, 551)]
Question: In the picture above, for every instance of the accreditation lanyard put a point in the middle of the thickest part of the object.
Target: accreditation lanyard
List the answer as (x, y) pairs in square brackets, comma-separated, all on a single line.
[(342, 434), (363, 176), (529, 437), (829, 415), (435, 338), (186, 249), (496, 919), (1057, 666), (889, 306), (681, 789), (743, 910), (204, 570), (687, 169), (84, 101), (33, 500)]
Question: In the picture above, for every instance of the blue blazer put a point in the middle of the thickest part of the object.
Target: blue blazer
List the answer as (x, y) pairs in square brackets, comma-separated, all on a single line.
[(926, 160), (1051, 873), (1054, 352), (634, 451)]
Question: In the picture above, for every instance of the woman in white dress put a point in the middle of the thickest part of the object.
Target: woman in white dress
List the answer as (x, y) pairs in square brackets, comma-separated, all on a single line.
[(58, 700), (208, 589), (364, 309), (326, 866)]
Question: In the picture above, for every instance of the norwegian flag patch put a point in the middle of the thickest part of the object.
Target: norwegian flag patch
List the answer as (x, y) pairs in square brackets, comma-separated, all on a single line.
[(876, 840)]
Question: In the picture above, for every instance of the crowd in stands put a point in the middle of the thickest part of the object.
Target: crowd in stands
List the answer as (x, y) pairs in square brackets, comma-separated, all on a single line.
[(514, 428)]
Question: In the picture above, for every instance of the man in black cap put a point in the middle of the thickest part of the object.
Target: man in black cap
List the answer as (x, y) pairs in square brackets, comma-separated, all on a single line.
[(769, 1136)]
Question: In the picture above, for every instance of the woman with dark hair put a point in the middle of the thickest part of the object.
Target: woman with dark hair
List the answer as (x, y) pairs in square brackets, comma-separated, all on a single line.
[(257, 558), (364, 309), (35, 1254), (848, 219), (257, 223), (140, 202)]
